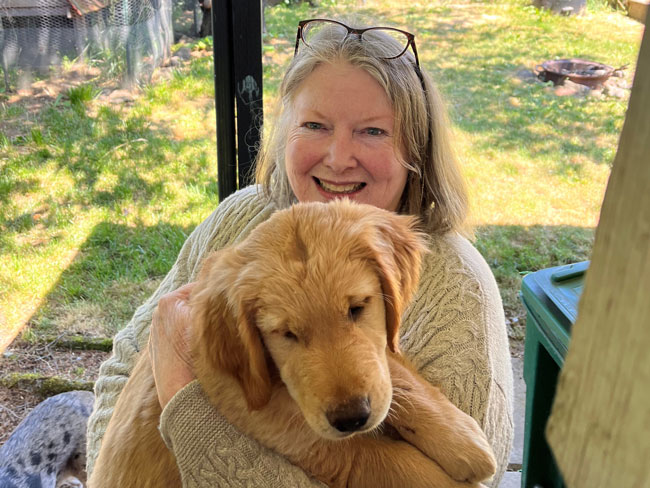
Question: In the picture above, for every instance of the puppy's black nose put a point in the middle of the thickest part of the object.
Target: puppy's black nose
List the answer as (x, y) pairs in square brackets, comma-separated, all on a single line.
[(351, 415)]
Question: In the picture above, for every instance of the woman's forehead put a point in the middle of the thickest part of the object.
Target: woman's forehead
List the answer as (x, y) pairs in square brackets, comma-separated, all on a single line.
[(342, 88)]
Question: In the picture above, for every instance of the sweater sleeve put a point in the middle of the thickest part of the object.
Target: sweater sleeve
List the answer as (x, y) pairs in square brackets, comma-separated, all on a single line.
[(212, 453), (455, 334), (233, 219)]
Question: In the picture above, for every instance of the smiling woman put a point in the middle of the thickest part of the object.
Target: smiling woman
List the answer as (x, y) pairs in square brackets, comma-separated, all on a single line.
[(357, 119), (341, 140), (360, 75)]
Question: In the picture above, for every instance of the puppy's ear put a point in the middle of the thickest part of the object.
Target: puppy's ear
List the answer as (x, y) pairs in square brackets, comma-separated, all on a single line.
[(254, 374), (225, 337), (397, 250)]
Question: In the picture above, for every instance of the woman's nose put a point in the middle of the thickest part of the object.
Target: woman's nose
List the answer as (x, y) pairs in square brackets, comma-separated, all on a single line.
[(341, 153)]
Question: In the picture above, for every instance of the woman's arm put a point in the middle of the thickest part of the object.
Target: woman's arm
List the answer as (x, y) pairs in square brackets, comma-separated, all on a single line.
[(455, 335), (210, 452)]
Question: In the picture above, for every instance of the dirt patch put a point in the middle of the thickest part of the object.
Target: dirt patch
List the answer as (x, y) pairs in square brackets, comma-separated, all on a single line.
[(32, 97), (70, 366), (15, 405)]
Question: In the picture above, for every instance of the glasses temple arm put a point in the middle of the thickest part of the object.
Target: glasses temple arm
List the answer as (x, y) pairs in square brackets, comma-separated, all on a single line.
[(298, 36), (415, 53)]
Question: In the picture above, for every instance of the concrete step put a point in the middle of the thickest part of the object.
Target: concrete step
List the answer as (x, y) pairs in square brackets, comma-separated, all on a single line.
[(512, 478)]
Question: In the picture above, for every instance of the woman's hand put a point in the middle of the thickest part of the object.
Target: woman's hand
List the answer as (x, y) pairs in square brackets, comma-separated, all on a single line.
[(169, 345)]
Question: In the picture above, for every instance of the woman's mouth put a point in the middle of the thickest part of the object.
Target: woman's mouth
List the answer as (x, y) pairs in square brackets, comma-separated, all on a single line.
[(339, 189)]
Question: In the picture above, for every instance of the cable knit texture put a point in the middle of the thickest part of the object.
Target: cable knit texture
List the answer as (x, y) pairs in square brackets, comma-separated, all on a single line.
[(454, 332)]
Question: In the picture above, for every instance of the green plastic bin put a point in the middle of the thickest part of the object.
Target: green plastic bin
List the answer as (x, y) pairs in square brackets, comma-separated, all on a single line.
[(550, 297)]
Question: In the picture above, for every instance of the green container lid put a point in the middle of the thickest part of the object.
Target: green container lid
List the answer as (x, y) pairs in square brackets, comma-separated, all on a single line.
[(551, 295)]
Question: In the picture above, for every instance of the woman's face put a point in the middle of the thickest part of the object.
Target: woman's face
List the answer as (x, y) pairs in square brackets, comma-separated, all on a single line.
[(341, 140)]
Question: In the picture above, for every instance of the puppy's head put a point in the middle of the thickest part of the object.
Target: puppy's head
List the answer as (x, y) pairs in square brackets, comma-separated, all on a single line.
[(317, 293)]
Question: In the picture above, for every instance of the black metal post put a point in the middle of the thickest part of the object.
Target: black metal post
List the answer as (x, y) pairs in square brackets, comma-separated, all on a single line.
[(223, 98), (237, 36), (247, 49)]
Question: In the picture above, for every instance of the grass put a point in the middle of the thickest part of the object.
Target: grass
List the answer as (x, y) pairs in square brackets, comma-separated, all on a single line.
[(96, 199)]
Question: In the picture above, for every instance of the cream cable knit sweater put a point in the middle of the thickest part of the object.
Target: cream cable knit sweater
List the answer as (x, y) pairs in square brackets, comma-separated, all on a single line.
[(454, 332)]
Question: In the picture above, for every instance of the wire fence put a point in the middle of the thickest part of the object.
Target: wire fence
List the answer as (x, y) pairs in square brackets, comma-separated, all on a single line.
[(127, 38)]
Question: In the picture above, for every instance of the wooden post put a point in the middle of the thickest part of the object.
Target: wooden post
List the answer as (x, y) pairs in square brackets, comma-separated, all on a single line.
[(237, 36), (599, 427)]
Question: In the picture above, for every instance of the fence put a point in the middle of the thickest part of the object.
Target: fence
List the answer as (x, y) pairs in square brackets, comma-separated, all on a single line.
[(130, 37)]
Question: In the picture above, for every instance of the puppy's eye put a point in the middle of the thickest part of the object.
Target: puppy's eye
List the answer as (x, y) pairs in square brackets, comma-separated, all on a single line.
[(290, 335), (355, 312)]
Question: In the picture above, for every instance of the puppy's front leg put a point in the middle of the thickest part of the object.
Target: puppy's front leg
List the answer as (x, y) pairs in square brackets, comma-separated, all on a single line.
[(424, 417), (387, 463)]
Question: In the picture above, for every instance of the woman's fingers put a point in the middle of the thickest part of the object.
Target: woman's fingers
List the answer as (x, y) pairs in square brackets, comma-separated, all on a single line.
[(169, 343)]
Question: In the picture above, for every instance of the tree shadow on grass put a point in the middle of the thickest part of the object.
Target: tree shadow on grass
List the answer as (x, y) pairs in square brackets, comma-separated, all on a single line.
[(114, 271), (105, 162)]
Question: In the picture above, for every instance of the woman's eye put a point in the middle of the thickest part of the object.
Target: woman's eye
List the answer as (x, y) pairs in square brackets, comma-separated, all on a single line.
[(290, 335), (354, 313), (374, 131), (313, 125)]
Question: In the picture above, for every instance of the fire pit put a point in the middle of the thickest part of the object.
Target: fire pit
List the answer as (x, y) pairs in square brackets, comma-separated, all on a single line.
[(579, 71)]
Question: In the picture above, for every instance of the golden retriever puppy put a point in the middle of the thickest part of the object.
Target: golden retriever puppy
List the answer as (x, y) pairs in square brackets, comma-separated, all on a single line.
[(295, 342)]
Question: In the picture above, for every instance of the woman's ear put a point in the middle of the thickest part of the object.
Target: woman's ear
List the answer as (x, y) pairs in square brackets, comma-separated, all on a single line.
[(225, 339), (397, 251)]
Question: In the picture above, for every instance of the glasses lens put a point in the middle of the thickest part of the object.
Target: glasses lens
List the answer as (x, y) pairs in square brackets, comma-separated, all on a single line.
[(322, 30), (392, 41)]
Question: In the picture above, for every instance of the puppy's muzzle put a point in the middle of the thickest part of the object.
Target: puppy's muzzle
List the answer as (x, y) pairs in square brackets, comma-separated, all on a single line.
[(350, 416)]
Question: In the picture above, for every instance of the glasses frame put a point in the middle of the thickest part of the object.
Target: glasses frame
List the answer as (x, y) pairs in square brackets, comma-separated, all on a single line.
[(359, 32)]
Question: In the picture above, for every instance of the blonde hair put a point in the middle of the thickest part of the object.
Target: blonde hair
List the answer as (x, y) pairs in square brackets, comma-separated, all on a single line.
[(435, 190)]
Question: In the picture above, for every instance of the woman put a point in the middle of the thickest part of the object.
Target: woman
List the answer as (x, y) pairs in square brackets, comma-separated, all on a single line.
[(357, 118)]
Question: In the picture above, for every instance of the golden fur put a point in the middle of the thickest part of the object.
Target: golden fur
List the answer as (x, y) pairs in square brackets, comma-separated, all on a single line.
[(295, 339)]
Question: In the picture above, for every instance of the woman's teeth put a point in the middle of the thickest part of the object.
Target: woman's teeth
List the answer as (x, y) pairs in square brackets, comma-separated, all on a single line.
[(332, 188)]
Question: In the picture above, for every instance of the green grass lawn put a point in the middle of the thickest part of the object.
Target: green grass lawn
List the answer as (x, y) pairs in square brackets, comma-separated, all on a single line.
[(96, 199)]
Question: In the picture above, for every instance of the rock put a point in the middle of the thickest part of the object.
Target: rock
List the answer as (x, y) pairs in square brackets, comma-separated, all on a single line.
[(625, 85), (570, 88), (183, 53), (121, 96), (615, 91), (526, 75), (172, 62), (596, 94)]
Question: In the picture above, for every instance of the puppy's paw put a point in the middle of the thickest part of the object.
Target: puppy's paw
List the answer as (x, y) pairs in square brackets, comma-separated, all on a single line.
[(461, 451), (471, 461)]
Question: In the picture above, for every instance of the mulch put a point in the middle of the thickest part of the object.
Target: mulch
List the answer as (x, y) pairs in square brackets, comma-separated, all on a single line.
[(42, 360)]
